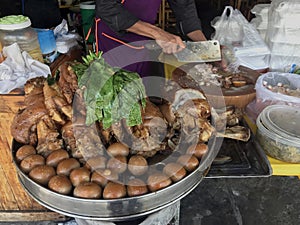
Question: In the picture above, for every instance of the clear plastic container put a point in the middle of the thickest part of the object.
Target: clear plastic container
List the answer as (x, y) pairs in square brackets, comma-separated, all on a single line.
[(280, 142), (17, 29), (284, 120), (263, 94)]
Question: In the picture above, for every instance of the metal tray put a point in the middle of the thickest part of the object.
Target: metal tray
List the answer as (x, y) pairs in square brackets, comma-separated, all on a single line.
[(115, 209), (248, 159)]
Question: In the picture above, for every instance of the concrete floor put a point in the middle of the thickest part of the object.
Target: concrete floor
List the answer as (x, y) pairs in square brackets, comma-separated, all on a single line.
[(251, 201), (248, 201)]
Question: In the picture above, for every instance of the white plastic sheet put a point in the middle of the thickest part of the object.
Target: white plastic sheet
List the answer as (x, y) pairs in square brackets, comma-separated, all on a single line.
[(65, 39), (18, 67)]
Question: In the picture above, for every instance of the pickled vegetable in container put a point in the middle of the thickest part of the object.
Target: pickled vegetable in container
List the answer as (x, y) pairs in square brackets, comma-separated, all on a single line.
[(278, 132), (17, 29)]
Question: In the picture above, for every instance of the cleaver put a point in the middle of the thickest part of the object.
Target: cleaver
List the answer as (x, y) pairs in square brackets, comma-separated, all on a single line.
[(201, 51)]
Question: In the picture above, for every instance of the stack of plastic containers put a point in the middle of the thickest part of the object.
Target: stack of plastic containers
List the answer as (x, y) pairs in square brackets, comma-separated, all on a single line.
[(260, 22), (278, 132), (283, 34)]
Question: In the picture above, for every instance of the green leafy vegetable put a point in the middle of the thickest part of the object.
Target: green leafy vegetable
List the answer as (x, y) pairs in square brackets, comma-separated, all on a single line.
[(111, 94), (80, 68)]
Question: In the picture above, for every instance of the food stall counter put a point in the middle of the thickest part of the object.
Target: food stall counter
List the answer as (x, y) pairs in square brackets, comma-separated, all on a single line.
[(15, 204)]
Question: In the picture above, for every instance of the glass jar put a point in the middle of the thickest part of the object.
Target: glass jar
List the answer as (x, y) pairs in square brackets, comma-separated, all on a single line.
[(17, 29)]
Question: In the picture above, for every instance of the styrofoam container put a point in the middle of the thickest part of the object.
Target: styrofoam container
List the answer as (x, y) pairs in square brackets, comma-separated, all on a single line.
[(280, 62), (284, 48), (284, 34), (255, 58), (288, 20), (284, 7), (258, 62)]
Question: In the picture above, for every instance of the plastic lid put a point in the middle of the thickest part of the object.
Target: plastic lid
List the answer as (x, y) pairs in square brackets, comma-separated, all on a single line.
[(283, 120), (279, 140), (14, 22)]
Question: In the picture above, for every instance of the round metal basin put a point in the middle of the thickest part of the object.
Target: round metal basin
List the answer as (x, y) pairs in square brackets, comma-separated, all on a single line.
[(115, 209)]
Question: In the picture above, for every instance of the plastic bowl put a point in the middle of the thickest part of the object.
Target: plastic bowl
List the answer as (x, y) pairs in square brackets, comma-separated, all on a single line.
[(276, 142)]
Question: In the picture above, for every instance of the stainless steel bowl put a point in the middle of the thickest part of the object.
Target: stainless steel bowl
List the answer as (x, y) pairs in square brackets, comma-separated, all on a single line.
[(116, 209)]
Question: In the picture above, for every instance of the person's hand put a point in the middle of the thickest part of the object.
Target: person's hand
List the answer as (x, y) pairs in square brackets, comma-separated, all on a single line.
[(169, 43)]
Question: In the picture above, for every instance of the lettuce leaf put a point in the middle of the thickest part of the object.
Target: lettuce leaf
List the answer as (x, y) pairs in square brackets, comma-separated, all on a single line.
[(112, 94)]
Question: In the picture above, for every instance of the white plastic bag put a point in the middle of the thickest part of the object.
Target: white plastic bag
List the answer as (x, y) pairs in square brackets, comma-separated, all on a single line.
[(228, 30), (261, 9), (274, 79), (283, 34), (234, 31)]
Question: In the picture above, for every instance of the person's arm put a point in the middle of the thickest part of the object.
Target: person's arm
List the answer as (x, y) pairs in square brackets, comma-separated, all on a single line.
[(197, 35), (187, 19), (170, 43), (120, 20), (114, 15)]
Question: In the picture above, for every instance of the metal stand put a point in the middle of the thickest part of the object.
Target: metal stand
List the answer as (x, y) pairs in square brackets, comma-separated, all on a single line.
[(167, 216)]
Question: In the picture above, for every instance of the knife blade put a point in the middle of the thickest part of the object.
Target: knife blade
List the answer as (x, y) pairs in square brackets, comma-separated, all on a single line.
[(201, 51)]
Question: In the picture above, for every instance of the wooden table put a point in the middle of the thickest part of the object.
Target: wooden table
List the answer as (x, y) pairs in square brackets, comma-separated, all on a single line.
[(15, 204)]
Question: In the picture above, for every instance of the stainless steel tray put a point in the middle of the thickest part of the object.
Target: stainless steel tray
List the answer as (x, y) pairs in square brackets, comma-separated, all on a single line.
[(116, 209), (249, 160), (111, 210)]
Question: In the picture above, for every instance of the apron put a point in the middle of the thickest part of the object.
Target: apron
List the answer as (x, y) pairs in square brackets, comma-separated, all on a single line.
[(128, 51)]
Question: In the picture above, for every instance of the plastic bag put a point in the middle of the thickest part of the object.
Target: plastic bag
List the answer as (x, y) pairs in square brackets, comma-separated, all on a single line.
[(260, 21), (267, 88), (18, 67), (229, 31), (234, 31), (275, 88), (283, 34)]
